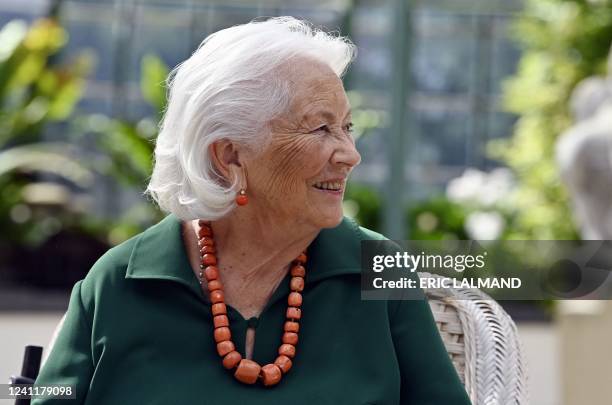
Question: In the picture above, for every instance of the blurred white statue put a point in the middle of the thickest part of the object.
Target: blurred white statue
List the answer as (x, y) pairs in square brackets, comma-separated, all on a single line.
[(584, 156)]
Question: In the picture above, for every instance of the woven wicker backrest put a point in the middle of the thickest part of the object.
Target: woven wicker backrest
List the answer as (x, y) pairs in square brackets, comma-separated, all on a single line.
[(483, 344)]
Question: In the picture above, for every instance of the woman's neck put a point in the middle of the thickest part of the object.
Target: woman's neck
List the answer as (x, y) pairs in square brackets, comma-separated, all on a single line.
[(254, 254), (250, 244)]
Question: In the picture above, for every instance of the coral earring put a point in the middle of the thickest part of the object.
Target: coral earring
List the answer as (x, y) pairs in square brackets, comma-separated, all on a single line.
[(241, 198)]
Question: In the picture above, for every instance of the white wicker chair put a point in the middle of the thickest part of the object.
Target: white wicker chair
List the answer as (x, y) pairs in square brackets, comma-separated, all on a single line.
[(482, 342)]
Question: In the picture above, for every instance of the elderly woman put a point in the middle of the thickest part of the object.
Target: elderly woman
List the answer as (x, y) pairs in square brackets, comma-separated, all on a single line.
[(248, 292)]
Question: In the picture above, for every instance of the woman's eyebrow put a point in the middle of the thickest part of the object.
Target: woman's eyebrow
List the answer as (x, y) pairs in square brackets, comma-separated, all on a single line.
[(329, 115)]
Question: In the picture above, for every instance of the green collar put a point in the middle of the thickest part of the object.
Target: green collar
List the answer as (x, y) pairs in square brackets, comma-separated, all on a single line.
[(159, 253)]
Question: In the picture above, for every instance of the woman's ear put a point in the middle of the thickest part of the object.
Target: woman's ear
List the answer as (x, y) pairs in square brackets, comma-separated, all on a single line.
[(226, 160)]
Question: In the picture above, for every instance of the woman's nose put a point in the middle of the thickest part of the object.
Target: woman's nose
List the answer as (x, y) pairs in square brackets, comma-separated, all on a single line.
[(346, 153)]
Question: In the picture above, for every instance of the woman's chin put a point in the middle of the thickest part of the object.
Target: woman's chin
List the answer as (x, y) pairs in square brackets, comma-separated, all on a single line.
[(331, 219)]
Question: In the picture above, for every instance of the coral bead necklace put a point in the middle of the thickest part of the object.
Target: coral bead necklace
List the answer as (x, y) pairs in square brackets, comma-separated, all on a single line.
[(249, 371)]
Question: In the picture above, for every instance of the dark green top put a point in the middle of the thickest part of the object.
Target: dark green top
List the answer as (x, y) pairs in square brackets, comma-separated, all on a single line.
[(139, 331)]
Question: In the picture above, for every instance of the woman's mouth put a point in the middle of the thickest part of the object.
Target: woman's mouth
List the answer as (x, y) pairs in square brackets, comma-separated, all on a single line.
[(332, 187)]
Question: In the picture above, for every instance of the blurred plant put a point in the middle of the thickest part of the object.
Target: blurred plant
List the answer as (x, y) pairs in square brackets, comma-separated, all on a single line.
[(128, 149), (564, 42), (128, 145), (488, 200), (364, 205), (362, 202), (486, 190), (34, 91), (364, 119), (435, 219), (477, 205)]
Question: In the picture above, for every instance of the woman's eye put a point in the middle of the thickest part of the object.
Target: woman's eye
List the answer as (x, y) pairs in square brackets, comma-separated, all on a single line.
[(348, 128)]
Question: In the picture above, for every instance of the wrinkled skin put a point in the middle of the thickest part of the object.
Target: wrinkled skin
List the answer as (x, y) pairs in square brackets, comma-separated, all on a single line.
[(279, 180), (309, 143)]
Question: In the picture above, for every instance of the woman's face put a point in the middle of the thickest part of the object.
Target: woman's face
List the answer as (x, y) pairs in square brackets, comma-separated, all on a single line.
[(302, 173)]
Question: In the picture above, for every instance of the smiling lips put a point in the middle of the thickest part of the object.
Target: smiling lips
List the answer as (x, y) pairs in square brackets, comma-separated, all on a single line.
[(330, 185)]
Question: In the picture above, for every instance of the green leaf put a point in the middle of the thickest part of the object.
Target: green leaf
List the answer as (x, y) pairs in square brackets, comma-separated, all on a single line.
[(152, 82)]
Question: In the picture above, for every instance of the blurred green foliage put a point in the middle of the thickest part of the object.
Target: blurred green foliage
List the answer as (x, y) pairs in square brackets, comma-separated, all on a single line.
[(363, 204), (436, 219), (128, 148), (35, 91), (32, 91), (564, 42)]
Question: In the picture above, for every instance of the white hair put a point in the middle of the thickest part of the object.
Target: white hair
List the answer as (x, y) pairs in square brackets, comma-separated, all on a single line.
[(227, 89)]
